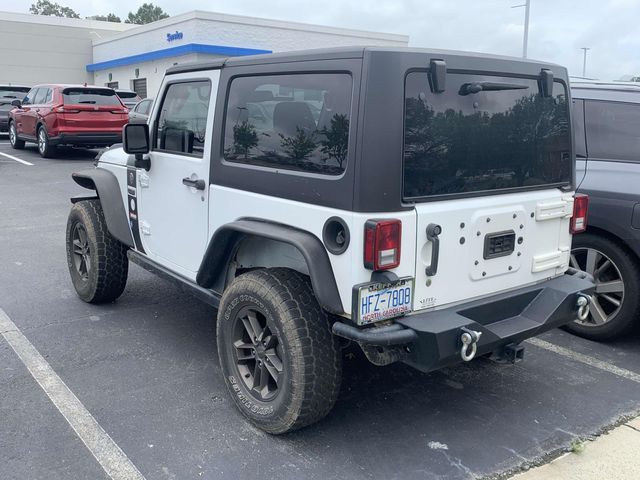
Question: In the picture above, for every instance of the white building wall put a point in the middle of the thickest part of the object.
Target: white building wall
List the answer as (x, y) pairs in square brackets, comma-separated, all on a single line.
[(39, 49), (235, 31), (153, 71)]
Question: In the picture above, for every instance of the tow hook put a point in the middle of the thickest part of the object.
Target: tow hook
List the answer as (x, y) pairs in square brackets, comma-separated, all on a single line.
[(582, 304), (469, 339)]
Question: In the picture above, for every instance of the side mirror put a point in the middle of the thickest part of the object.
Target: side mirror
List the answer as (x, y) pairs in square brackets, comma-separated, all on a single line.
[(16, 103), (135, 139)]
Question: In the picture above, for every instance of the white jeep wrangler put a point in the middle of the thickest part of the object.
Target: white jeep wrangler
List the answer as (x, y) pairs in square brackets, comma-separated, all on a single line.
[(420, 203)]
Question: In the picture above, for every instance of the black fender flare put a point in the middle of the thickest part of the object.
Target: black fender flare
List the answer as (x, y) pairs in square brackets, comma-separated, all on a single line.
[(226, 239), (107, 188)]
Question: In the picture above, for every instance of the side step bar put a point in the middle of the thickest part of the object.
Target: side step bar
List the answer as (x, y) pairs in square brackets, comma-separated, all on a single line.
[(207, 296)]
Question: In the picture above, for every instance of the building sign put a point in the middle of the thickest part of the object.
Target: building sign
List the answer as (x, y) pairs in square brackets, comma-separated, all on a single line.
[(171, 37)]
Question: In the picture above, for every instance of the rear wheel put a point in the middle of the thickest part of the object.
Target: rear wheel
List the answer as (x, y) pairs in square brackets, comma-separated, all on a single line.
[(97, 262), (13, 137), (45, 148), (615, 307), (282, 365)]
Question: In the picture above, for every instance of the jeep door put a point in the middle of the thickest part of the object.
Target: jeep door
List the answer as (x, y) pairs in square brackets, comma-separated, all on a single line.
[(173, 195)]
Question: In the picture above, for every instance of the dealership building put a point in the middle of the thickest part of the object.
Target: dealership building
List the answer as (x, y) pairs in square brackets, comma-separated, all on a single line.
[(40, 49)]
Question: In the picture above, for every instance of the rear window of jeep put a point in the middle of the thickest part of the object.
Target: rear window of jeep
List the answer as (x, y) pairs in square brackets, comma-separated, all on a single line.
[(291, 122), (483, 134)]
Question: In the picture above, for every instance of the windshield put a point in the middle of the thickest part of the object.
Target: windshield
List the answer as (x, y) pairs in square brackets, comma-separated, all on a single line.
[(484, 133), (89, 96)]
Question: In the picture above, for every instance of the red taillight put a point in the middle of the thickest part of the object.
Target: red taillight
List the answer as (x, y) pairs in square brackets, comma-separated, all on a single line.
[(580, 209), (382, 244), (62, 109)]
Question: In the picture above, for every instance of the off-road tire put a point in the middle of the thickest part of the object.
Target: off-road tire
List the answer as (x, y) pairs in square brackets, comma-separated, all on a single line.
[(628, 316), (311, 354), (15, 142), (45, 149), (106, 276)]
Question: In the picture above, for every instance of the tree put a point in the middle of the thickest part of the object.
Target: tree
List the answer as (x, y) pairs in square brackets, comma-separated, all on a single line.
[(111, 17), (245, 138), (45, 7), (147, 13)]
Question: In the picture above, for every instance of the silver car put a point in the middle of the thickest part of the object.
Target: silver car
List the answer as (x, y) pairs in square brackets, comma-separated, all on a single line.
[(140, 112)]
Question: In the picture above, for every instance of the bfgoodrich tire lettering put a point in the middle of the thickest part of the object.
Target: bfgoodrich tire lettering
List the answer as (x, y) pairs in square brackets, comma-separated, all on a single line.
[(280, 303), (97, 262), (616, 305)]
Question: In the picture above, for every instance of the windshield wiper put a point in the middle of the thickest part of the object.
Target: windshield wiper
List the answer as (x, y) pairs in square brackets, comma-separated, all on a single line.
[(475, 87), (87, 101)]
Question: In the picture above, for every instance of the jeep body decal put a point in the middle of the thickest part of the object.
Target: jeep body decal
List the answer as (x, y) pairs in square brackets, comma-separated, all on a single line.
[(132, 205)]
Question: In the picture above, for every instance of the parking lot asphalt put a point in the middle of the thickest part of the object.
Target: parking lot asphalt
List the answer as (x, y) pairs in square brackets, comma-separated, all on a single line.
[(146, 369)]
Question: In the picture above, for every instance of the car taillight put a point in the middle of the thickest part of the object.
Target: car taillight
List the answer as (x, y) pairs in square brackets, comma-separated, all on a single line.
[(63, 109), (580, 209), (382, 244)]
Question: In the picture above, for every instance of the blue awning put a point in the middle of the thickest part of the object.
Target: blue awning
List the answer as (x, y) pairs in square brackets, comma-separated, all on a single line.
[(175, 52)]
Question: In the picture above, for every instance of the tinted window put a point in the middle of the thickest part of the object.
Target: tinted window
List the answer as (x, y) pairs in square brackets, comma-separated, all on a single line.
[(182, 123), (12, 93), (90, 96), (291, 122), (143, 107), (483, 133), (578, 128), (127, 95), (40, 96), (28, 99), (613, 130)]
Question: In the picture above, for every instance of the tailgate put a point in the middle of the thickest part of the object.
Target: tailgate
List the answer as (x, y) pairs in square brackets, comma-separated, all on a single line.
[(489, 245)]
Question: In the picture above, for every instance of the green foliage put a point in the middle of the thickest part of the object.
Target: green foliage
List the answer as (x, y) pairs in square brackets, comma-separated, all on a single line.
[(245, 138), (300, 146), (45, 7), (147, 13), (577, 446), (111, 17), (336, 142)]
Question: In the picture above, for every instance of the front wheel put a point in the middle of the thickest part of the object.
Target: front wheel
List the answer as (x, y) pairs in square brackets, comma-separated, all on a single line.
[(97, 262), (281, 363), (615, 304)]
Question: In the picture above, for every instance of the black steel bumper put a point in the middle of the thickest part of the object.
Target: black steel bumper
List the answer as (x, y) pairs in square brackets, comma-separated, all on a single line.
[(432, 340), (87, 139)]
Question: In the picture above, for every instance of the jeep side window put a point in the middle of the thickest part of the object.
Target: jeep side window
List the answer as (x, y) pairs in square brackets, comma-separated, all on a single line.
[(182, 122), (613, 130), (293, 122)]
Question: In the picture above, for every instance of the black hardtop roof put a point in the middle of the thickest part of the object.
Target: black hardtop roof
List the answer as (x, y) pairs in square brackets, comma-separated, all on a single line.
[(354, 52)]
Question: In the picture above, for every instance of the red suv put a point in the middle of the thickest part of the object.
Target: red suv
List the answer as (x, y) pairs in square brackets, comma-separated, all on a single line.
[(53, 115)]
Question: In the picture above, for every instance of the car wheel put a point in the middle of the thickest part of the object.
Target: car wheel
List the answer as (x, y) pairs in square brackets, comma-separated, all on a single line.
[(13, 137), (45, 148), (281, 363), (97, 262), (615, 306)]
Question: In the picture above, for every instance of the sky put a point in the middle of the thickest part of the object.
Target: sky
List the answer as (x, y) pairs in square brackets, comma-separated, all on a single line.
[(557, 29)]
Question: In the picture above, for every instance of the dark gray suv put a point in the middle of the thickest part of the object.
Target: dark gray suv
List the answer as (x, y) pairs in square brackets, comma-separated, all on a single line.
[(607, 130)]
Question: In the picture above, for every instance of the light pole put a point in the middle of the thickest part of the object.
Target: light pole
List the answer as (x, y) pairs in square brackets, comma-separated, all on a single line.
[(584, 61), (525, 41)]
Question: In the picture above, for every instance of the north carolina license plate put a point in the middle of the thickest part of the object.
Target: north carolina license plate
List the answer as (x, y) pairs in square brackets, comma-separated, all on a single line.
[(379, 301)]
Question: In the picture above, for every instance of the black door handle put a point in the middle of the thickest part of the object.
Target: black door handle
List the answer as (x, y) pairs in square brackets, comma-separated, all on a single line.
[(433, 231), (196, 183)]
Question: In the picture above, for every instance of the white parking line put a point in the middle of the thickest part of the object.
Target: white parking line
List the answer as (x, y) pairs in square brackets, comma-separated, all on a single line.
[(587, 360), (108, 454), (11, 157)]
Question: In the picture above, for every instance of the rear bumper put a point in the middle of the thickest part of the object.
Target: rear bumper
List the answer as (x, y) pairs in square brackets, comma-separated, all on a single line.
[(86, 139), (431, 340)]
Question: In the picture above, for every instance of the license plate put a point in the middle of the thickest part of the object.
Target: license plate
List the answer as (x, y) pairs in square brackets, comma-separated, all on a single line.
[(378, 301)]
